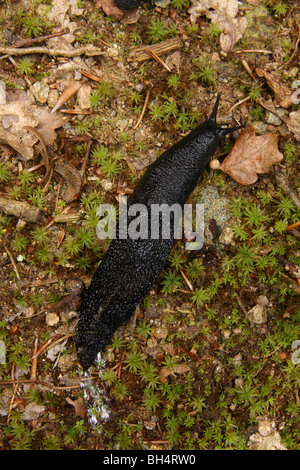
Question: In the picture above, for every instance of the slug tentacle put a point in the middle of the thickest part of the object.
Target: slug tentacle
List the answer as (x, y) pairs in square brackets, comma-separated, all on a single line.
[(131, 266)]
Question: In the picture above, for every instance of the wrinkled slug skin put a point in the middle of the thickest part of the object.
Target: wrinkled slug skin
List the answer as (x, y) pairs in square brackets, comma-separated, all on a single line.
[(131, 267)]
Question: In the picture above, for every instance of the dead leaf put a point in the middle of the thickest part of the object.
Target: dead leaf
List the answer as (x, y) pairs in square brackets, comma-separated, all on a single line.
[(109, 7), (14, 117), (282, 93), (72, 179), (251, 155), (177, 369), (222, 13), (79, 406), (293, 124), (47, 123)]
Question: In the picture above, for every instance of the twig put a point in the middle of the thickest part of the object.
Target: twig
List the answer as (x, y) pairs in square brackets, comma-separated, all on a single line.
[(248, 70), (292, 226), (260, 51), (50, 344), (138, 54), (28, 42), (157, 58), (86, 156), (187, 281), (12, 262), (11, 404), (38, 382), (143, 110), (34, 360), (238, 103), (88, 50)]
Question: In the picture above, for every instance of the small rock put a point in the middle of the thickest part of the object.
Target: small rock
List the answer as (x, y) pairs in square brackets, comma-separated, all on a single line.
[(226, 334), (237, 359), (226, 237), (258, 314), (273, 119), (83, 96), (265, 428), (150, 425), (52, 319), (40, 91), (159, 332), (262, 300), (112, 52), (52, 98), (106, 185), (33, 411)]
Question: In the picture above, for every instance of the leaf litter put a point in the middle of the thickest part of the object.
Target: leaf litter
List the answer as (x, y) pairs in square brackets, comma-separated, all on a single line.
[(251, 155)]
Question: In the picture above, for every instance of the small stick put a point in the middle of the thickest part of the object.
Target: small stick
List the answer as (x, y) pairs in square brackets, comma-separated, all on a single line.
[(83, 167), (238, 103), (260, 51), (12, 262), (89, 50), (188, 283), (156, 57), (34, 360), (91, 76), (38, 382), (295, 225), (247, 68), (143, 110), (28, 42)]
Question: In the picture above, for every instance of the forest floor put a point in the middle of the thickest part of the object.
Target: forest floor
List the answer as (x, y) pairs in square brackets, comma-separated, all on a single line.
[(211, 359)]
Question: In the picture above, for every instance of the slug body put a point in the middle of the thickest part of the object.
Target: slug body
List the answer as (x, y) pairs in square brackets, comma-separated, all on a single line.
[(131, 266)]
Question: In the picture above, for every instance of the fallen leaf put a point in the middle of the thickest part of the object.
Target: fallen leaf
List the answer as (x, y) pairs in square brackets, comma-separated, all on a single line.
[(251, 155), (47, 123), (109, 7), (177, 369), (79, 406), (283, 95), (293, 124), (14, 117), (72, 179), (222, 13)]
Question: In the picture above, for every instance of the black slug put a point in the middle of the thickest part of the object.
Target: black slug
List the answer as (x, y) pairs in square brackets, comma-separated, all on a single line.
[(128, 4), (131, 266)]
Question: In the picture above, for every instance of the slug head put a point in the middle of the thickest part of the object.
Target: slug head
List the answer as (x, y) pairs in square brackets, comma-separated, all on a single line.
[(222, 132)]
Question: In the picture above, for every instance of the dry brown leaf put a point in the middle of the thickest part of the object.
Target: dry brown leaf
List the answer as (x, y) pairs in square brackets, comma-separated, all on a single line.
[(14, 117), (79, 406), (282, 93), (224, 14), (17, 115), (125, 16), (109, 7), (251, 155), (293, 124), (72, 179), (177, 369)]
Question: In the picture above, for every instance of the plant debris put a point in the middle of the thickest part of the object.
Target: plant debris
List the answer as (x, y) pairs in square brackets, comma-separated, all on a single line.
[(251, 155)]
